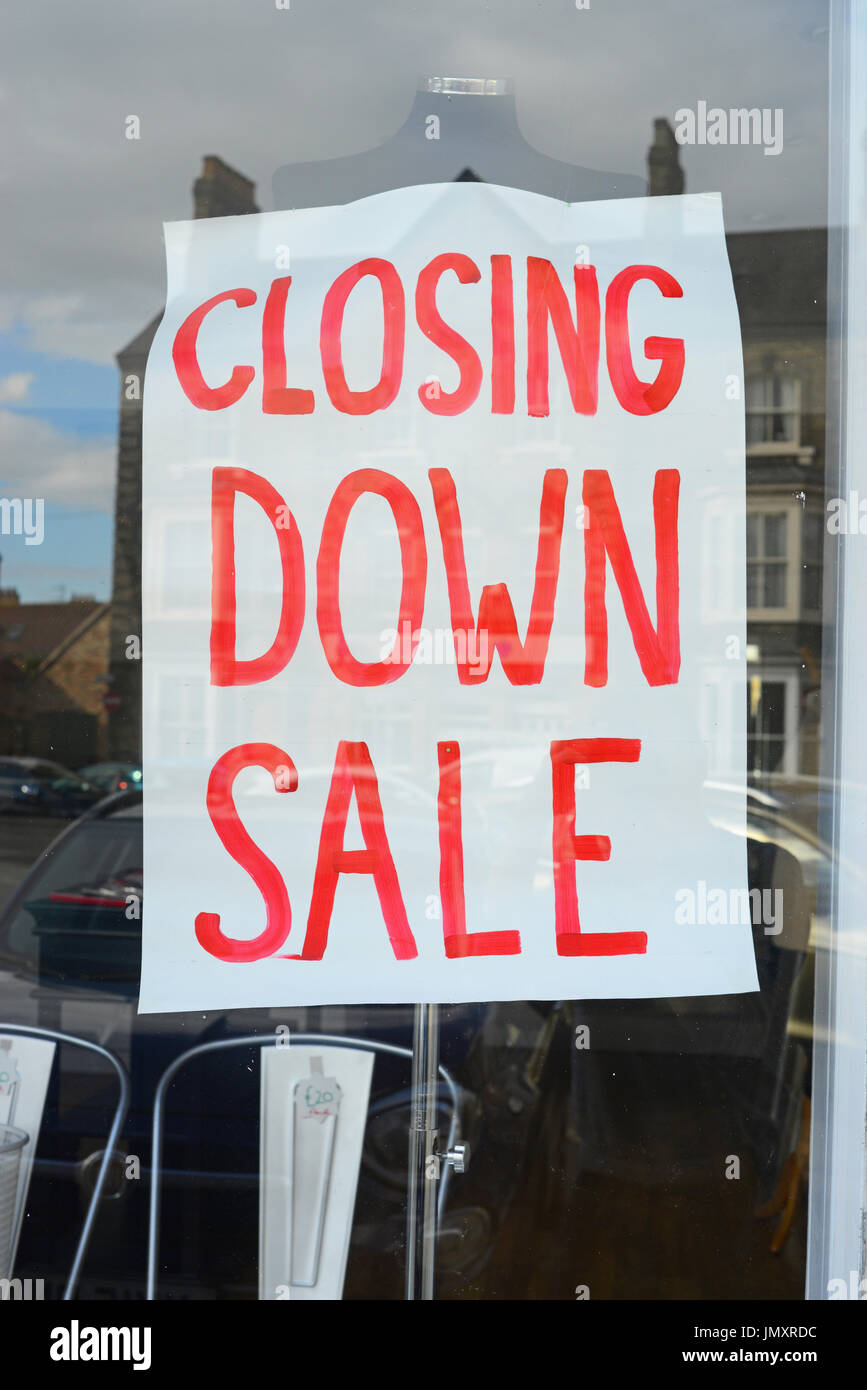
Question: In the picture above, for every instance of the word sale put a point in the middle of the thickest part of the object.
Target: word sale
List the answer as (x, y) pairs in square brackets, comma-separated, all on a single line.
[(354, 774)]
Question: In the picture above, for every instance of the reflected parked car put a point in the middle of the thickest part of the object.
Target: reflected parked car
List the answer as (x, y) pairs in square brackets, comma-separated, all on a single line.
[(37, 787), (112, 777)]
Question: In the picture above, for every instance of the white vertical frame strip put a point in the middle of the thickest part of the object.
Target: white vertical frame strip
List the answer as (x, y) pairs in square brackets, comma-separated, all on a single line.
[(279, 1198), (835, 1262)]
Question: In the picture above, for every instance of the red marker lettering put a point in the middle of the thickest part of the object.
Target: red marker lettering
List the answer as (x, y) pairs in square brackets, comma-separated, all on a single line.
[(636, 396), (569, 847), (658, 650), (394, 328), (578, 343), (413, 559), (186, 360), (354, 772), (226, 822), (458, 941), (451, 342), (225, 668), (277, 397), (523, 662)]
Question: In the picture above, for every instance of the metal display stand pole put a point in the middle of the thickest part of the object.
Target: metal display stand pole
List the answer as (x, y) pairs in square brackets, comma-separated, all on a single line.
[(424, 1160)]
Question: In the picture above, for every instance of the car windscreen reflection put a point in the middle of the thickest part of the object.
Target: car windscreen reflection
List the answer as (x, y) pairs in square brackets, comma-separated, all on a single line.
[(78, 914)]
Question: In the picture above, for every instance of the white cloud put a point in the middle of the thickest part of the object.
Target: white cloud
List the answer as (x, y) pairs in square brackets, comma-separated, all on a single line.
[(15, 387), (74, 327), (36, 460)]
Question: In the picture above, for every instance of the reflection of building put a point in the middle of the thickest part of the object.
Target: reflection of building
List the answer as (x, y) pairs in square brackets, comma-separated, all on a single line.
[(779, 280), (53, 665), (218, 192)]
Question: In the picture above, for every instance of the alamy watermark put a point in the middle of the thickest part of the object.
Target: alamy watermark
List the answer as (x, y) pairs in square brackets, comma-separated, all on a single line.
[(726, 907), (847, 516), (856, 1289), (23, 516), (23, 1290), (439, 646), (77, 1343), (738, 126)]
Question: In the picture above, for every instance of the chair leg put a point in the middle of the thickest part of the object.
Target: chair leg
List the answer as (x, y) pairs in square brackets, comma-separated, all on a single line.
[(778, 1200), (793, 1176)]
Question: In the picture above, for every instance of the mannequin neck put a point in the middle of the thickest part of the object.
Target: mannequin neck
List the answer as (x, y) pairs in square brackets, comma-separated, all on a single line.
[(475, 106)]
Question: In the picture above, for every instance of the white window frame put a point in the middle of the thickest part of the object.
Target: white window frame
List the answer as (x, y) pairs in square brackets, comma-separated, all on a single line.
[(790, 611), (773, 446), (789, 679)]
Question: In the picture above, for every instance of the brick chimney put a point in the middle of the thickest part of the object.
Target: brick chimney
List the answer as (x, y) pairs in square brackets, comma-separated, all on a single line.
[(663, 161), (221, 191)]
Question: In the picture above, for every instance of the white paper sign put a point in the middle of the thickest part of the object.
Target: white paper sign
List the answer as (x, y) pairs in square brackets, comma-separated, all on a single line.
[(444, 605)]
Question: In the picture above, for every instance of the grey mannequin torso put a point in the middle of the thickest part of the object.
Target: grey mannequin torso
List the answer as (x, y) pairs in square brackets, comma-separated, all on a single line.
[(452, 134)]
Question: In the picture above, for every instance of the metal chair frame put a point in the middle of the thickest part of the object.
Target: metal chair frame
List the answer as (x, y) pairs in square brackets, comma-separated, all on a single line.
[(120, 1113)]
